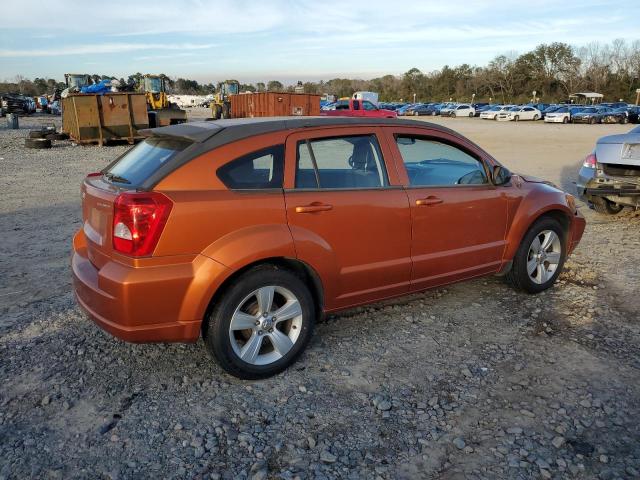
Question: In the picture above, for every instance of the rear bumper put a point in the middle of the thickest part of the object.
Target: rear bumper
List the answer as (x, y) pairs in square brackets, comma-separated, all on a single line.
[(160, 303), (554, 119), (589, 186)]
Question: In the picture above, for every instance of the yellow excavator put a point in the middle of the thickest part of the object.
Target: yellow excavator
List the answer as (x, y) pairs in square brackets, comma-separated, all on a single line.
[(160, 110), (221, 104)]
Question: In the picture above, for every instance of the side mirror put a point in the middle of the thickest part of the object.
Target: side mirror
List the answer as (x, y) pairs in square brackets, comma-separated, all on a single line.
[(500, 175)]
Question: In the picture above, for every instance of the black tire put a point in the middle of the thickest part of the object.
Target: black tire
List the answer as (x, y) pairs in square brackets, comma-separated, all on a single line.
[(38, 143), (226, 111), (516, 118), (535, 117), (37, 134), (624, 120), (57, 136), (606, 207), (452, 115), (592, 120), (216, 330), (518, 276), (217, 112), (565, 120)]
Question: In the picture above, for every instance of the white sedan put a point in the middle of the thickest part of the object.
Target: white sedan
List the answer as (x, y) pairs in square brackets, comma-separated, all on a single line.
[(560, 115), (463, 110), (492, 113), (519, 113)]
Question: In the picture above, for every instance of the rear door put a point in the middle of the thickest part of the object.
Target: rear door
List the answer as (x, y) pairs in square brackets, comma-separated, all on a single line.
[(348, 214), (459, 219)]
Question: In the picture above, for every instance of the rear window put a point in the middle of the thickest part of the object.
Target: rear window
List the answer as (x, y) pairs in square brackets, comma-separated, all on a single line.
[(143, 160)]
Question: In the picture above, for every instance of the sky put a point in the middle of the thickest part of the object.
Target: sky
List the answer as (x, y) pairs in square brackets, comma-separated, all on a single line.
[(290, 40)]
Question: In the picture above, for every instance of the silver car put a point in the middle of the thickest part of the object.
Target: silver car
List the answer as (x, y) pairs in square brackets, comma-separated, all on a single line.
[(609, 178)]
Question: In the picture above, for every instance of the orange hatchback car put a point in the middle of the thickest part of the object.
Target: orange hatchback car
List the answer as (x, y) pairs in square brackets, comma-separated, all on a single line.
[(246, 231)]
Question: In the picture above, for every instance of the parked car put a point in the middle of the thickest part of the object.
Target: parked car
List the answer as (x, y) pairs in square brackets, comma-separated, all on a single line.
[(516, 114), (634, 114), (609, 178), (615, 115), (589, 115), (492, 113), (412, 109), (245, 231), (481, 108), (16, 103), (446, 108), (461, 110), (358, 108), (558, 115), (427, 109), (402, 110), (549, 109)]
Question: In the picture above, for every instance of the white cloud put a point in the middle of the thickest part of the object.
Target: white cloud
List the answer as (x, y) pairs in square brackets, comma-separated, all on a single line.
[(98, 49)]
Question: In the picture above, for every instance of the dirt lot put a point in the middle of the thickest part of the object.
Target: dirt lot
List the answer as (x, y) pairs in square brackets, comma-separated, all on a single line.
[(472, 381)]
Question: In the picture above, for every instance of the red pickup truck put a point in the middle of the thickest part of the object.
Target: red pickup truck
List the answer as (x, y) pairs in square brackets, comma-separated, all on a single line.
[(358, 108)]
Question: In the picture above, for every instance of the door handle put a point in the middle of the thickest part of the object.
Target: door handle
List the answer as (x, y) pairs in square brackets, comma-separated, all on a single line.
[(430, 200), (314, 207)]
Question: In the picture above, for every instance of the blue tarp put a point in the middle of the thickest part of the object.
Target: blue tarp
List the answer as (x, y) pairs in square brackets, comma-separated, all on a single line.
[(104, 86)]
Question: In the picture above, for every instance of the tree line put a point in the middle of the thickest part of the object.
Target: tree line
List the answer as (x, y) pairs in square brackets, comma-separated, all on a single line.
[(553, 71)]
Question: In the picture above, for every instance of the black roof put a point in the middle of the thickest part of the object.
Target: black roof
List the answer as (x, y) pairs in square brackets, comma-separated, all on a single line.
[(220, 132)]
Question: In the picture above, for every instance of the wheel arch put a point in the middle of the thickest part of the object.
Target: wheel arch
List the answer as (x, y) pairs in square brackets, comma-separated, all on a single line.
[(298, 267), (557, 212)]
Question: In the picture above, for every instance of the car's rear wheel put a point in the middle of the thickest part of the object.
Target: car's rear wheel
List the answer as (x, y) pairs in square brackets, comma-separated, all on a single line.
[(606, 207), (565, 120), (452, 114), (592, 120), (540, 257), (471, 114), (516, 118), (535, 117), (261, 323)]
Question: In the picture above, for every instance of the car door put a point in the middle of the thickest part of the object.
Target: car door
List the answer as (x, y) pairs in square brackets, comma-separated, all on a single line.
[(459, 218), (369, 109), (348, 214)]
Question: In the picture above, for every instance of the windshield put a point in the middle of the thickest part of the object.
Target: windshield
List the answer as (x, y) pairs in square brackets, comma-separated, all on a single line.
[(588, 110), (153, 85), (497, 108), (143, 160), (232, 88)]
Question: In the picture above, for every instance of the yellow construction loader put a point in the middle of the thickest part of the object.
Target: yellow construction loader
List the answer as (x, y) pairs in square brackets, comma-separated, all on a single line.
[(161, 111), (221, 104)]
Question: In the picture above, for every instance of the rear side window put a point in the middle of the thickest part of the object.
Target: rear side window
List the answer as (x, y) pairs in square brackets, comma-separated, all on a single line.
[(257, 170), (340, 162), (143, 160)]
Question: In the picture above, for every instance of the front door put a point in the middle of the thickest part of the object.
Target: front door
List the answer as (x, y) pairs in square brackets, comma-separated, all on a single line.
[(459, 218), (348, 215)]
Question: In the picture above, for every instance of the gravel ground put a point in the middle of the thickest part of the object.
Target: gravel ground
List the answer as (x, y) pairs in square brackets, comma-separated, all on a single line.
[(469, 381)]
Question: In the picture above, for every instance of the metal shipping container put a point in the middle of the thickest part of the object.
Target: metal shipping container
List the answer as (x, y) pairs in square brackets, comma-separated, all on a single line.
[(92, 118), (274, 104)]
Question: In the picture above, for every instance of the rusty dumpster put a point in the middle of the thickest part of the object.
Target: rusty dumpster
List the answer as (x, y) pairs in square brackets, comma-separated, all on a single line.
[(91, 118), (274, 104)]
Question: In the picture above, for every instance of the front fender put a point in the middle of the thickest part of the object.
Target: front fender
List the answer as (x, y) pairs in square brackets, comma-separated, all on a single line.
[(540, 200)]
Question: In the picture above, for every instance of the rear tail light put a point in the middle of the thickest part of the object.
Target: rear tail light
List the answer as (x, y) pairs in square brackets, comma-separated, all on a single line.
[(590, 161), (138, 221), (94, 174)]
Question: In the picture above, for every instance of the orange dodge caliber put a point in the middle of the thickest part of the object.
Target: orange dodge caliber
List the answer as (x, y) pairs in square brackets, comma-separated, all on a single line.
[(246, 231)]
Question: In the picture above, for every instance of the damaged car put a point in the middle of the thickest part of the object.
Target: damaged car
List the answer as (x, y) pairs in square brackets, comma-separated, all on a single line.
[(609, 178)]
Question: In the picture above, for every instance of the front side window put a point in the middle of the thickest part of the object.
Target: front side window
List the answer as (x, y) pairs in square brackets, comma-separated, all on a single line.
[(368, 105), (340, 162), (258, 170), (434, 163)]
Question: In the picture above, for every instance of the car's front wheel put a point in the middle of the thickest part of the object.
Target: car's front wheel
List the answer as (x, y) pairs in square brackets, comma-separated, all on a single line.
[(261, 323), (540, 257)]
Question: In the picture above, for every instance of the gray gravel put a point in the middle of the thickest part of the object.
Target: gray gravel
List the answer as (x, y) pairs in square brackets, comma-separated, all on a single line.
[(469, 381)]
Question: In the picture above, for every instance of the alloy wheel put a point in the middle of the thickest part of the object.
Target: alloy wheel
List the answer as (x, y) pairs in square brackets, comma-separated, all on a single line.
[(265, 325), (544, 256)]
